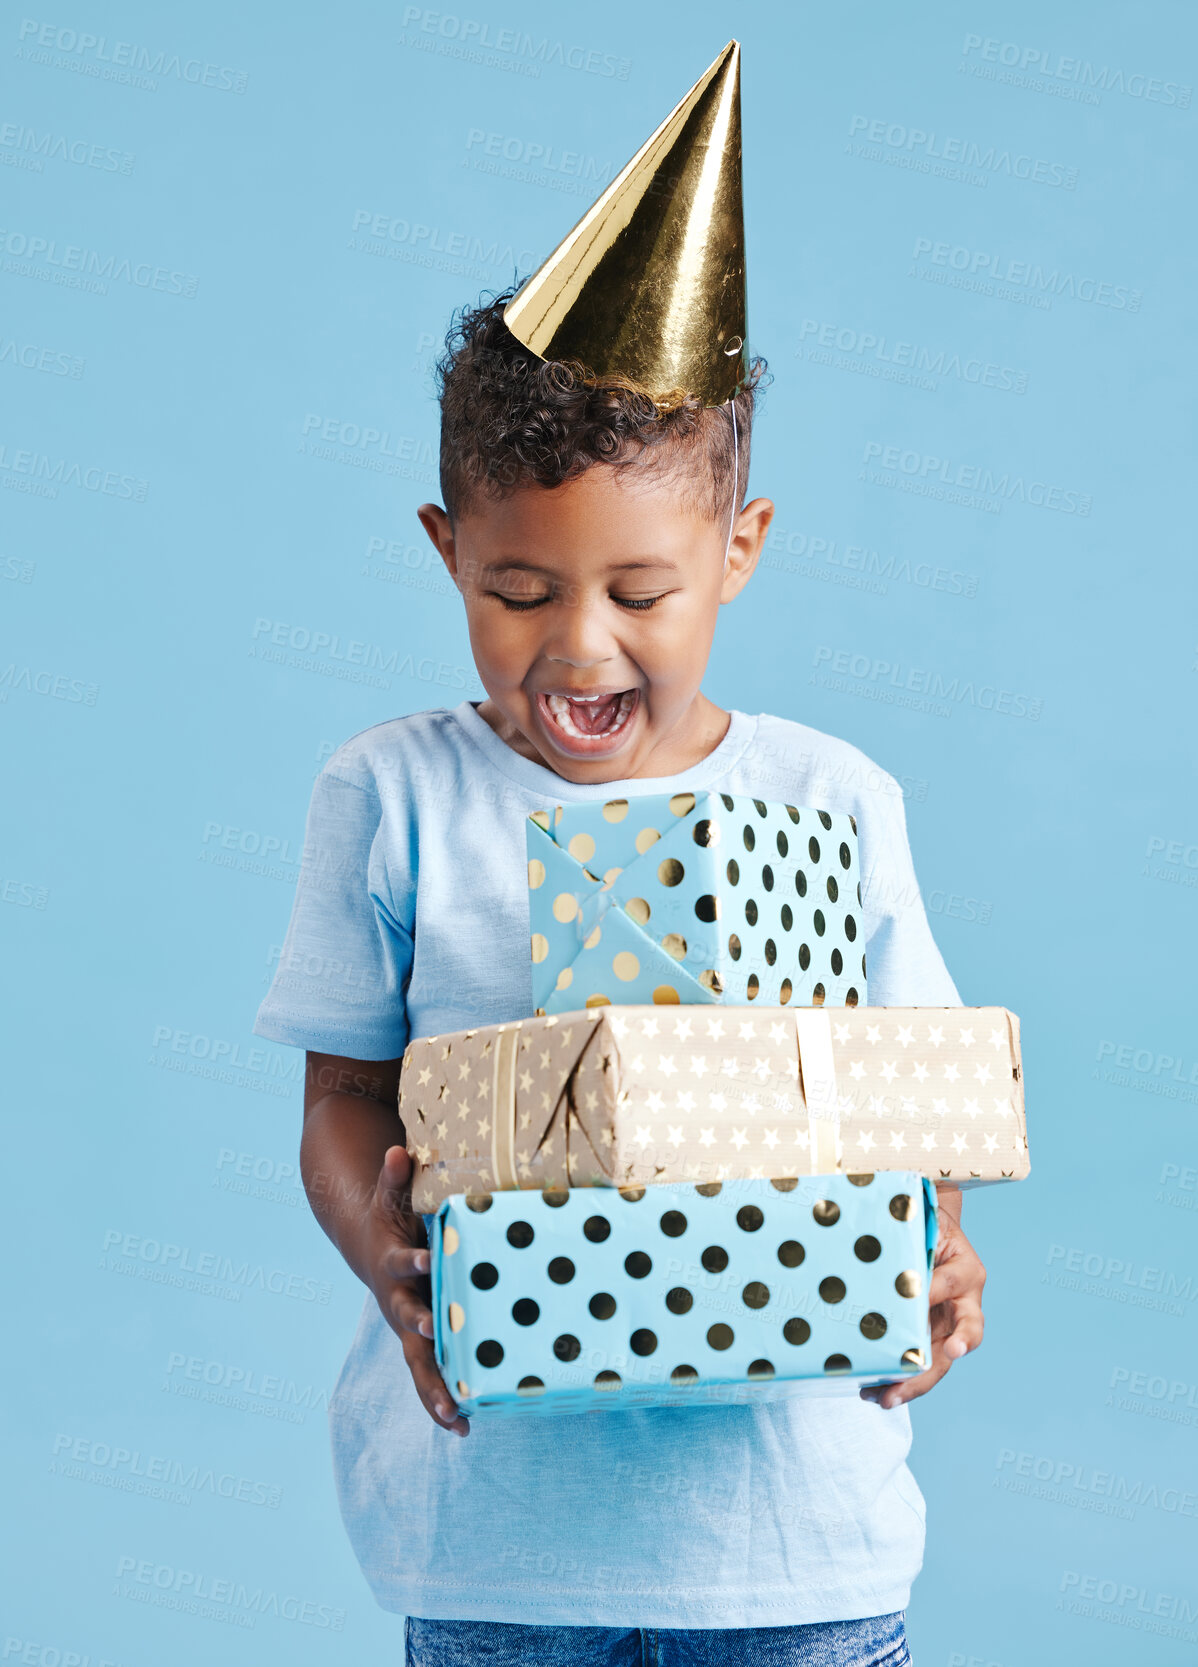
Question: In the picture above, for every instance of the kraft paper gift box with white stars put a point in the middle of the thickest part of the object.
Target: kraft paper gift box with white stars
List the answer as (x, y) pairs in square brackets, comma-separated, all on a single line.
[(613, 1096), (680, 1294), (694, 897)]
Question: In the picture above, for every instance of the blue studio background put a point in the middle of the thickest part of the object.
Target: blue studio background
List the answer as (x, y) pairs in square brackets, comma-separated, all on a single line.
[(231, 242)]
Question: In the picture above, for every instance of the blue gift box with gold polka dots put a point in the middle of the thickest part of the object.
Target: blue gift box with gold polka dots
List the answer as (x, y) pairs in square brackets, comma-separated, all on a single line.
[(694, 897), (680, 1295)]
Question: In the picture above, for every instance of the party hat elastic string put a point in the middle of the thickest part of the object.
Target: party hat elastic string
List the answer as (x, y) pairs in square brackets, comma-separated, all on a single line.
[(735, 484)]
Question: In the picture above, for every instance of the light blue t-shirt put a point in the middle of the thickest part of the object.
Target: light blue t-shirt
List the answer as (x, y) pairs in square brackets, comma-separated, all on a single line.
[(411, 919)]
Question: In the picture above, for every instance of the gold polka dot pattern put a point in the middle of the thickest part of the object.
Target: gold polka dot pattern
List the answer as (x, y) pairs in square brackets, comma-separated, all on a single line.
[(761, 897), (573, 1297)]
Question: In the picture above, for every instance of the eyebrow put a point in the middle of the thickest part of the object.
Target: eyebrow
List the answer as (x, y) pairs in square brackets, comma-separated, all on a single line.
[(660, 565)]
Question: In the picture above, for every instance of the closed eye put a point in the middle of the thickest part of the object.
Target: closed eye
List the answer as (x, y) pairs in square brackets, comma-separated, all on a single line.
[(640, 603), (518, 607)]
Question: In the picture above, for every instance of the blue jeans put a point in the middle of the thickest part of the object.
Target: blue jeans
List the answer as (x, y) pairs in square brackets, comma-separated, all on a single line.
[(878, 1642)]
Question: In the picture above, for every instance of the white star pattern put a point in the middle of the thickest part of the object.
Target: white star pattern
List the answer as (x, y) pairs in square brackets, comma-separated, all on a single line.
[(883, 1102)]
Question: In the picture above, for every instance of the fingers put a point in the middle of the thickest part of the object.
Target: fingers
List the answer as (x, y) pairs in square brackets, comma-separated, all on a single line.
[(958, 1271), (405, 1310), (430, 1386), (957, 1329), (393, 1191), (405, 1261), (968, 1326), (400, 1285)]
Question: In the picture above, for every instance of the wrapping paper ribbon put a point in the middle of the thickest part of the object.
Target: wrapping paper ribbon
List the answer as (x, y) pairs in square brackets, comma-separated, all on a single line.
[(817, 1082)]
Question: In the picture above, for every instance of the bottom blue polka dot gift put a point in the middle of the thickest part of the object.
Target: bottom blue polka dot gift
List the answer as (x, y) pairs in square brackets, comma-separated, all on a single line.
[(680, 1294)]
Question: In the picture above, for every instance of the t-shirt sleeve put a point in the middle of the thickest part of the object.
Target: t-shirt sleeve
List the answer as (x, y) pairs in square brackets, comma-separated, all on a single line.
[(343, 972), (904, 967)]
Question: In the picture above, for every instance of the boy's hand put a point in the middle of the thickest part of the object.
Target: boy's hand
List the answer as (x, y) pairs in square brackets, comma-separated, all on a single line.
[(956, 1310), (398, 1265)]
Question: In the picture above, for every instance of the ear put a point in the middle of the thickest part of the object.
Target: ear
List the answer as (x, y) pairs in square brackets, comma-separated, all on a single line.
[(439, 528), (748, 538)]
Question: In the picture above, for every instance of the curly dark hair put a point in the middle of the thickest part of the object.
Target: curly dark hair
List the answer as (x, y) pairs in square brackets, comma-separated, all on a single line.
[(510, 419)]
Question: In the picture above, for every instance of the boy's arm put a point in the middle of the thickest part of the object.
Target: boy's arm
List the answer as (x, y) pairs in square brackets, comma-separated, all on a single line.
[(906, 969), (357, 1176)]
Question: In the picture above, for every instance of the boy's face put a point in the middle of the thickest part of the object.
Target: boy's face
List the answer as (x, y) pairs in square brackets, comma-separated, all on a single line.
[(591, 609)]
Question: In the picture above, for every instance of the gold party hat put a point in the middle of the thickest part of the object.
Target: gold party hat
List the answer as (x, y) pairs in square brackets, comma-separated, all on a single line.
[(650, 284)]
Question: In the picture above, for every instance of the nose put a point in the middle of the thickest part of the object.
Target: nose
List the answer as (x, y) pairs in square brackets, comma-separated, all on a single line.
[(578, 636)]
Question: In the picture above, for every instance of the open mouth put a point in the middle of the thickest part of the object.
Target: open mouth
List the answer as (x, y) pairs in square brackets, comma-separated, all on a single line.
[(588, 725)]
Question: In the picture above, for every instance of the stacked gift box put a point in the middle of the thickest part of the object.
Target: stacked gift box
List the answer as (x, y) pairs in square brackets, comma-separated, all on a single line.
[(702, 1168)]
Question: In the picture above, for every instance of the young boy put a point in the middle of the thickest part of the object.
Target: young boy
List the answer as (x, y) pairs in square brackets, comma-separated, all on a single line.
[(593, 540)]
